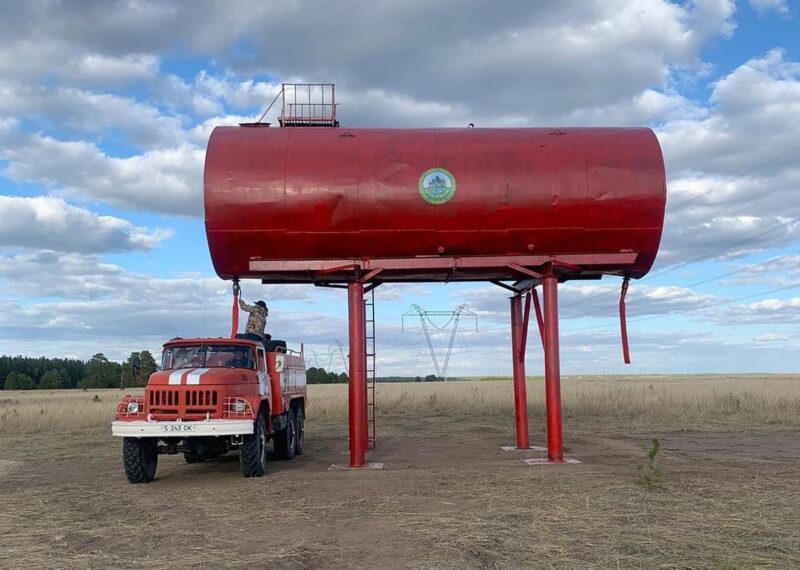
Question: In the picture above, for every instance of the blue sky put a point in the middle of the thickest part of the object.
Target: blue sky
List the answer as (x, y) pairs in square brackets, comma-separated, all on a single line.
[(105, 112)]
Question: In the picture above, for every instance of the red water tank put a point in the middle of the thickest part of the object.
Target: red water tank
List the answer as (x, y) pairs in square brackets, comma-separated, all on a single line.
[(293, 204)]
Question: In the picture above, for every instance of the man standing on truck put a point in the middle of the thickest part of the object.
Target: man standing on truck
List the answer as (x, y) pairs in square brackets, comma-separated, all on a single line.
[(257, 321)]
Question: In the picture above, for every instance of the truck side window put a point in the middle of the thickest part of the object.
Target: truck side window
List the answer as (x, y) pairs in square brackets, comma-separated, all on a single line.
[(261, 365)]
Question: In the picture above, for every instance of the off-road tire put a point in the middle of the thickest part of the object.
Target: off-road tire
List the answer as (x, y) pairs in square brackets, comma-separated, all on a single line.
[(140, 458), (253, 451), (286, 439), (299, 448)]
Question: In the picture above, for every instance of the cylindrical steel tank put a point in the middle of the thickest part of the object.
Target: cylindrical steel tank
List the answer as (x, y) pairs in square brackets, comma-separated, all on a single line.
[(337, 194)]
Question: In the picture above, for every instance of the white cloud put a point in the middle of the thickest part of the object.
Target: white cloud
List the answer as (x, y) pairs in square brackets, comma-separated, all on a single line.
[(758, 101), (764, 6), (577, 300), (80, 301), (642, 108), (52, 224), (200, 133), (779, 271), (103, 69), (237, 94), (772, 337), (81, 112), (734, 172), (773, 311), (164, 180), (633, 46), (207, 94)]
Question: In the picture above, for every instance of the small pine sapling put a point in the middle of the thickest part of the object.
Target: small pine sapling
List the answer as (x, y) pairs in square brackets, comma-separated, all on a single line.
[(650, 475)]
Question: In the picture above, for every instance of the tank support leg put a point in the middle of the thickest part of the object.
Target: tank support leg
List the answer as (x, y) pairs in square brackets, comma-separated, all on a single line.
[(552, 368), (357, 388), (518, 325)]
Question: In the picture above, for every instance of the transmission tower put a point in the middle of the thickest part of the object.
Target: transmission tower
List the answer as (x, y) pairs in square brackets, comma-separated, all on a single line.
[(336, 349), (425, 319)]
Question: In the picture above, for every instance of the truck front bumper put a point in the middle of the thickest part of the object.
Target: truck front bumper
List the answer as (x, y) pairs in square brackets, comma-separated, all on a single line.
[(182, 429)]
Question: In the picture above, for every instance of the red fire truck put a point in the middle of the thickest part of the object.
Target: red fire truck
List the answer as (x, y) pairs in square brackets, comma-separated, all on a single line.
[(212, 396)]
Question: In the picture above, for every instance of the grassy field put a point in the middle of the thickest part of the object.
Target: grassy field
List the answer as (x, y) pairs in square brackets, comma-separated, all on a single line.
[(696, 402), (448, 496)]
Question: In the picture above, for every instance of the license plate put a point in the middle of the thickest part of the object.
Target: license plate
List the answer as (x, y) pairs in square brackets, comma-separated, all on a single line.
[(177, 427)]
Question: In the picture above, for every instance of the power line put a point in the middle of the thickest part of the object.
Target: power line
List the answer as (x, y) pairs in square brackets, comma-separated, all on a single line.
[(745, 174), (695, 284), (703, 257), (680, 205), (720, 250), (681, 311)]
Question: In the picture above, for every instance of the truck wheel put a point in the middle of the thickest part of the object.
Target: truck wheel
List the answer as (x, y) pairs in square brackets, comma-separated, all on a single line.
[(301, 432), (140, 458), (286, 439), (253, 451)]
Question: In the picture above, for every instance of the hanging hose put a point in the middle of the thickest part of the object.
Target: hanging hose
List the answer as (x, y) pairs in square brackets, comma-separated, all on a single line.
[(623, 326), (235, 308)]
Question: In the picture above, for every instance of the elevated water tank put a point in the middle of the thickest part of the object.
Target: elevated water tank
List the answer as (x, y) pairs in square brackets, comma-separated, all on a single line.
[(295, 204)]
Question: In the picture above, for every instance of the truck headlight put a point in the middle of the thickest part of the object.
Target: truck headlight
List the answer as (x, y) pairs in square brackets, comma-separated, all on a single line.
[(239, 406), (133, 407)]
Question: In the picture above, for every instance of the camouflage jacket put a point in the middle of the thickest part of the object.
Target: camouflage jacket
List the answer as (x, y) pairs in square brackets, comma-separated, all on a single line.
[(257, 321)]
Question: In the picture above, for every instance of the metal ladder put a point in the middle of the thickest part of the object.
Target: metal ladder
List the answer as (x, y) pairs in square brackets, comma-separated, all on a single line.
[(369, 344)]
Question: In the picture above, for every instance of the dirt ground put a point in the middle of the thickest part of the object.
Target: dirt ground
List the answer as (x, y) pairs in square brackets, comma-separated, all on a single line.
[(448, 497)]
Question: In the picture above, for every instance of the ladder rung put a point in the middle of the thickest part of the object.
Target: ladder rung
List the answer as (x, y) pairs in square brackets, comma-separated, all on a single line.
[(370, 357)]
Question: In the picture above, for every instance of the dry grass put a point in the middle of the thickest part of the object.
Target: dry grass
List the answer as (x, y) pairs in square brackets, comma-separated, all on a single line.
[(54, 411), (693, 401), (666, 401)]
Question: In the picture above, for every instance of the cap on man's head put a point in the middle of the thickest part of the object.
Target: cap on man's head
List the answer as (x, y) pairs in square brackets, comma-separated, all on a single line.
[(261, 304)]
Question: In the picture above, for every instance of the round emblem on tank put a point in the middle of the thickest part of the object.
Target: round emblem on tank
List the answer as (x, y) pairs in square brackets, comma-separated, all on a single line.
[(437, 186)]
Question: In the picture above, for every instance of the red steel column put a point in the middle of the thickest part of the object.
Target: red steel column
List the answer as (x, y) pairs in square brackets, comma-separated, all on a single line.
[(552, 368), (518, 362), (357, 388)]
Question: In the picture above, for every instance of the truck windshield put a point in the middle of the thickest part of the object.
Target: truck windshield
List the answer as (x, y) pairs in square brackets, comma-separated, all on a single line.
[(208, 356)]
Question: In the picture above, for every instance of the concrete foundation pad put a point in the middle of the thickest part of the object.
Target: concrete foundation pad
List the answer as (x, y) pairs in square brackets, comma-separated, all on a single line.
[(343, 467), (531, 448), (545, 461)]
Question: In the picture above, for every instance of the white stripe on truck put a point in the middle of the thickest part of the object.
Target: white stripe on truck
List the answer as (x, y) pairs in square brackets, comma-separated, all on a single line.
[(175, 377), (194, 376)]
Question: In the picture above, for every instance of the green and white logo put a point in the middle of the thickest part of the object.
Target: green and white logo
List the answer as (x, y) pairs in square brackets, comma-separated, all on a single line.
[(437, 186)]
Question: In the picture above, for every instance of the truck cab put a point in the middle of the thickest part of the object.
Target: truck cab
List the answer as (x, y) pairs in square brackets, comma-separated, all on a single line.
[(213, 396)]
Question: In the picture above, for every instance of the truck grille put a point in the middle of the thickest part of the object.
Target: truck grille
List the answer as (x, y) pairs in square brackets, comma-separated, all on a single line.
[(182, 403), (201, 398), (164, 398)]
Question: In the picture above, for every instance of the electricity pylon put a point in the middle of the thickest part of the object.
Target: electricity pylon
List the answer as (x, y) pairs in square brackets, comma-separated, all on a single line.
[(425, 318)]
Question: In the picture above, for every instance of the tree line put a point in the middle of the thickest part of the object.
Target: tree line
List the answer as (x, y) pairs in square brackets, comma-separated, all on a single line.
[(322, 376), (27, 373)]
